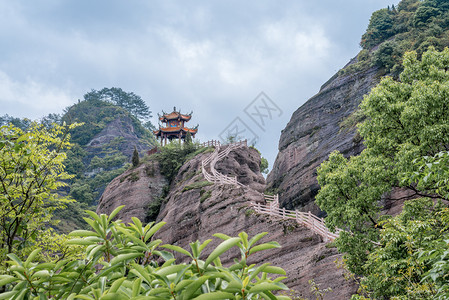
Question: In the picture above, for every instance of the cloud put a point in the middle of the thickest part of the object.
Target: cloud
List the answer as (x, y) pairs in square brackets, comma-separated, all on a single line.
[(31, 99), (208, 56)]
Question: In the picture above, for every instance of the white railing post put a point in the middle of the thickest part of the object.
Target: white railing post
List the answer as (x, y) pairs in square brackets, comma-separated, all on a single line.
[(309, 215)]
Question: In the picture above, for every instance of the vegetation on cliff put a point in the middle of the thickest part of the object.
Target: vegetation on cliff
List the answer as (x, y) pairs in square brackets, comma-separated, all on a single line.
[(406, 134), (95, 166), (412, 25)]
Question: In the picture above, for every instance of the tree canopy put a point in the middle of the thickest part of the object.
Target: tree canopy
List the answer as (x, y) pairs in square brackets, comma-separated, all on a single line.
[(131, 102), (31, 172), (406, 134)]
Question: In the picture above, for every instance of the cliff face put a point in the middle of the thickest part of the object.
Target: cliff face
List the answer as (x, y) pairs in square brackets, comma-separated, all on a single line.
[(314, 131), (139, 189), (120, 134), (195, 210)]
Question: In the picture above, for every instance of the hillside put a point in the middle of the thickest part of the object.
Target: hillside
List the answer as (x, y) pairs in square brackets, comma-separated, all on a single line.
[(103, 146), (113, 126)]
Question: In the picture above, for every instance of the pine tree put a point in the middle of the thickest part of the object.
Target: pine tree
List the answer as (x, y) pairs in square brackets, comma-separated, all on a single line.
[(135, 158)]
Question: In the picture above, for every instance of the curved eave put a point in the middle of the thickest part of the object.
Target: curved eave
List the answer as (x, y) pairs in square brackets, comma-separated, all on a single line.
[(174, 130)]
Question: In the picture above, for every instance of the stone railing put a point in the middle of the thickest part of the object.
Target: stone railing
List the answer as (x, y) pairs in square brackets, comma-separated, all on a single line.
[(211, 143), (215, 176), (308, 219)]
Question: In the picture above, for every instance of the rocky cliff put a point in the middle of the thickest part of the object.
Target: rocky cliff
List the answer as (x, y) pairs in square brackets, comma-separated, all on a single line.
[(326, 122), (140, 189), (195, 209), (122, 134)]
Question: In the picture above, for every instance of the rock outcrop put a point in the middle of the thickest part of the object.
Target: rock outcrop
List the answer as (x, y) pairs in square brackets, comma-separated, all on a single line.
[(313, 132), (196, 209), (137, 189), (120, 134)]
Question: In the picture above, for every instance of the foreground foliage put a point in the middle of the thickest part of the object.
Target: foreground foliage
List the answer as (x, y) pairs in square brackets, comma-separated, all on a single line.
[(126, 262), (31, 172), (406, 134)]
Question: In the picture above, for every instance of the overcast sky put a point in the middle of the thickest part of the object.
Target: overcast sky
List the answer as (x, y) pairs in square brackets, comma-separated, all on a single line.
[(210, 57)]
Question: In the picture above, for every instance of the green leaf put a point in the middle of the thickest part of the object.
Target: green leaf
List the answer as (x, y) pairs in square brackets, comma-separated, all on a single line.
[(177, 249), (256, 272), (115, 212), (123, 257), (126, 232), (9, 295), (215, 296), (204, 244), (222, 236), (93, 215), (136, 287), (92, 253), (265, 246), (83, 233), (265, 286), (164, 271), (223, 247), (256, 238), (153, 230), (139, 271), (15, 259), (5, 279), (194, 286), (274, 270), (116, 285), (244, 238), (114, 296), (31, 257), (138, 224), (81, 242), (41, 274)]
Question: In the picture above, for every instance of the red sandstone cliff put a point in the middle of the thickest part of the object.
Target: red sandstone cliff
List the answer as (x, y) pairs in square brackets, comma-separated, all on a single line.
[(195, 210)]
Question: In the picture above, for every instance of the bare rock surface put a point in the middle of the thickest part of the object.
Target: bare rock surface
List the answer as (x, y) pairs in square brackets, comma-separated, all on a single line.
[(137, 188), (195, 210), (245, 165), (121, 128), (313, 132)]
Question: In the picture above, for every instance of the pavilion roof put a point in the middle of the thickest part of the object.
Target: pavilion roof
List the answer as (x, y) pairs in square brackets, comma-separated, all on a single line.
[(175, 115)]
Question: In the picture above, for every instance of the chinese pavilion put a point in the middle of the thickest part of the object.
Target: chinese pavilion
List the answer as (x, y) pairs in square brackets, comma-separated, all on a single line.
[(174, 126)]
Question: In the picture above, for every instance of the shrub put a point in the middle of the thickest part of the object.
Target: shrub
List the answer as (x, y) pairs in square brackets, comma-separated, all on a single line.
[(197, 185), (122, 262)]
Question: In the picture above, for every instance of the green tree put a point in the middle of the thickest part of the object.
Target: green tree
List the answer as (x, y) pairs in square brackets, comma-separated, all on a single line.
[(188, 139), (397, 267), (131, 102), (379, 28), (173, 156), (406, 120), (31, 172), (263, 165), (135, 158), (17, 122)]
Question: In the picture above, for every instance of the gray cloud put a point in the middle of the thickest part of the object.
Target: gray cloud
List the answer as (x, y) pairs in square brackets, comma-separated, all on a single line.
[(212, 57)]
